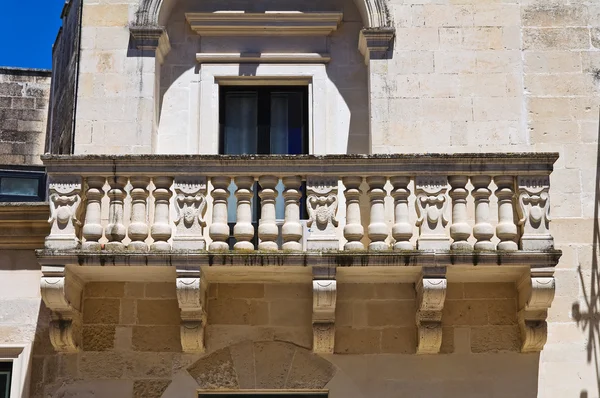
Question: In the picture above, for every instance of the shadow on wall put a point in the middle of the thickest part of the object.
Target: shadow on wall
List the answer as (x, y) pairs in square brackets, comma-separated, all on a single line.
[(589, 319)]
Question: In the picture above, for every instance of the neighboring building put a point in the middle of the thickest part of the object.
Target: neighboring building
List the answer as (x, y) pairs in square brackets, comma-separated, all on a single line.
[(419, 217)]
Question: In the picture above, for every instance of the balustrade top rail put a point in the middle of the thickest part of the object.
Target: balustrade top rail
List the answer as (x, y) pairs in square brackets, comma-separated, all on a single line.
[(327, 165)]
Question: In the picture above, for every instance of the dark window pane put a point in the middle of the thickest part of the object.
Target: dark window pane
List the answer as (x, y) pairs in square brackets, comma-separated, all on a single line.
[(5, 376), (240, 130), (19, 186)]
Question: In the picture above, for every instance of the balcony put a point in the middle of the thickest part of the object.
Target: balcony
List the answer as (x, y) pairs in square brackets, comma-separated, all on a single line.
[(421, 219)]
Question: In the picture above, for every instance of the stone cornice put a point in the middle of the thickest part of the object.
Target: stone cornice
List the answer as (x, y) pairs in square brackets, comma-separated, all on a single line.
[(264, 24), (23, 225), (263, 58), (375, 43), (530, 163), (151, 38)]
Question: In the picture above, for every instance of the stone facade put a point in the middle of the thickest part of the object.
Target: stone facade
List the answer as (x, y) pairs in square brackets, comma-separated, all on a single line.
[(134, 314), (24, 95)]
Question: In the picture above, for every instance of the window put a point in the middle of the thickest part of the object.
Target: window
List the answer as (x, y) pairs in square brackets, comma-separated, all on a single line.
[(22, 184), (5, 379), (262, 120)]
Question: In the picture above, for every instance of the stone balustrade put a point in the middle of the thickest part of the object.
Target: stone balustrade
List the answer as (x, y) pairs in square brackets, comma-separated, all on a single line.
[(146, 203)]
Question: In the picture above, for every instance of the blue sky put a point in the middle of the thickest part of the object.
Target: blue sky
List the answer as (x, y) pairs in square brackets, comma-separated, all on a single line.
[(28, 29)]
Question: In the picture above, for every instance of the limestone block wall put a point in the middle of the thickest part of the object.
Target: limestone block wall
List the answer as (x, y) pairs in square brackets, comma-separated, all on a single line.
[(24, 95)]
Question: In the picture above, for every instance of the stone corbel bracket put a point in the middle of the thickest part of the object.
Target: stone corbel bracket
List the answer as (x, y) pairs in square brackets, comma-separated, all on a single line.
[(431, 295), (323, 319), (151, 38), (375, 43), (536, 293), (61, 292), (191, 295)]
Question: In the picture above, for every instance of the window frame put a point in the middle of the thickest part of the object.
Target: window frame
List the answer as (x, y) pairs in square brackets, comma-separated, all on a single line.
[(19, 356), (30, 172)]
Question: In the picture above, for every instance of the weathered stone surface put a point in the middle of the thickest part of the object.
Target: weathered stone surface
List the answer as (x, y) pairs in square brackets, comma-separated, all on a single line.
[(215, 371), (146, 365), (149, 388), (357, 341), (399, 340), (237, 312), (242, 356), (309, 371), (241, 290), (158, 312), (98, 337), (101, 365), (391, 313), (463, 312), (161, 290), (156, 338), (290, 312), (104, 289), (101, 311), (495, 338), (490, 290), (272, 364)]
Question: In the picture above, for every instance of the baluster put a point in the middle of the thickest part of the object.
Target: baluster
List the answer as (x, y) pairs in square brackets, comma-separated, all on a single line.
[(353, 231), (483, 230), (292, 229), (460, 230), (506, 230), (378, 229), (402, 230), (267, 228), (92, 228), (138, 229), (115, 230), (219, 229), (244, 230), (161, 229)]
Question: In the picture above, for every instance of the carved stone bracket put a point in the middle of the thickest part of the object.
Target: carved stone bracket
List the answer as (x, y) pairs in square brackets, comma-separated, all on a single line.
[(534, 213), (536, 293), (431, 204), (322, 204), (323, 319), (431, 295), (64, 198), (191, 295), (61, 293), (151, 38), (190, 205), (375, 43)]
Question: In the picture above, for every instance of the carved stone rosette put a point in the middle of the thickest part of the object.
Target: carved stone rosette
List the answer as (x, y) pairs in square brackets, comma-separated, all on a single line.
[(191, 295), (534, 213), (62, 295), (322, 204), (431, 295), (190, 206), (324, 299), (536, 293), (431, 204), (64, 198)]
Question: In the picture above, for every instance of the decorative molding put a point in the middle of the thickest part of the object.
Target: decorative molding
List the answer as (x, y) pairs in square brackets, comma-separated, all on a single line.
[(536, 293), (322, 203), (190, 206), (431, 295), (431, 204), (226, 23), (151, 38), (64, 198), (263, 58), (534, 213), (376, 43), (323, 318), (191, 295), (61, 293), (23, 225)]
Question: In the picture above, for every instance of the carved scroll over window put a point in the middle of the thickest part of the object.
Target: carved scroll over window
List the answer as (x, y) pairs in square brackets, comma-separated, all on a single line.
[(190, 206), (322, 204), (431, 206), (534, 213), (64, 201)]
